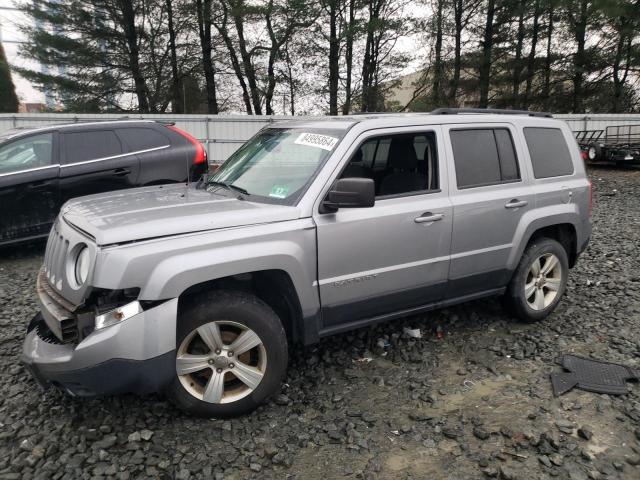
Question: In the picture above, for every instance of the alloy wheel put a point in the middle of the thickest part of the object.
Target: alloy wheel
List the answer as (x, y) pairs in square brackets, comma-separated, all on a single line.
[(543, 283), (221, 362)]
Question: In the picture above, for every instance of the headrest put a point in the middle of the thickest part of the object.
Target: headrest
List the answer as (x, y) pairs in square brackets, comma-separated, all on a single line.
[(402, 155), (42, 151)]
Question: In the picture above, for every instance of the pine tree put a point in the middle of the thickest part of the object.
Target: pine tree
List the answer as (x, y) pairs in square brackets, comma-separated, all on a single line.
[(8, 98)]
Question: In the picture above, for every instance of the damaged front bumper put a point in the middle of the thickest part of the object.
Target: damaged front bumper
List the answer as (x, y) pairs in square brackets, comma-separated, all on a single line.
[(134, 355)]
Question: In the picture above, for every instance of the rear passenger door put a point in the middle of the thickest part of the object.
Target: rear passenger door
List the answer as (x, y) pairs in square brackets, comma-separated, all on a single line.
[(490, 193), (95, 161)]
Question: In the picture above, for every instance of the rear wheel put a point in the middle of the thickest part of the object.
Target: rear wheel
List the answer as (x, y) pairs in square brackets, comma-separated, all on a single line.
[(231, 355), (594, 152), (539, 280)]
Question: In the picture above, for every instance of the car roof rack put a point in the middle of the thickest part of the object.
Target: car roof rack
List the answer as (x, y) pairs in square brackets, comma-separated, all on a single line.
[(497, 111)]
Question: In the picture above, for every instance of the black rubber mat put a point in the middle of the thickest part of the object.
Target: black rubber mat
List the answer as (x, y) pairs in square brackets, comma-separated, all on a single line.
[(592, 375)]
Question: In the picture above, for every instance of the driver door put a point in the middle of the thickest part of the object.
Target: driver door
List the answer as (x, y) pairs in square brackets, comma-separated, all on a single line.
[(392, 258), (28, 187)]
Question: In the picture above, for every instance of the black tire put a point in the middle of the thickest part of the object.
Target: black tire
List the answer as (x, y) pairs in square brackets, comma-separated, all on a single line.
[(594, 152), (251, 312), (514, 298)]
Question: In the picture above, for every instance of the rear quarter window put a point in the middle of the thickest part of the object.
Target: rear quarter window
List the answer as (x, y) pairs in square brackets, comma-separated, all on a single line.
[(550, 156), (140, 138)]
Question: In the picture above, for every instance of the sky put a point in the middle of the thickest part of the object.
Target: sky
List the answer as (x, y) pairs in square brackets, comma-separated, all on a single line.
[(11, 38)]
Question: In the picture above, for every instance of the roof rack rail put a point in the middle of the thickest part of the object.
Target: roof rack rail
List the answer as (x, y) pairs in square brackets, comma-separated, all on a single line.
[(498, 111)]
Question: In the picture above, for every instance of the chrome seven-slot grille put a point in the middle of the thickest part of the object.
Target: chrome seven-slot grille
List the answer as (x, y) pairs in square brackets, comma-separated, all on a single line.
[(54, 257)]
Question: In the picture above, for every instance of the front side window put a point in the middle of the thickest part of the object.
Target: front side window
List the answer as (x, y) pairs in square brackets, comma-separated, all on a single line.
[(276, 165), (484, 156), (95, 145), (26, 153), (549, 153), (399, 164)]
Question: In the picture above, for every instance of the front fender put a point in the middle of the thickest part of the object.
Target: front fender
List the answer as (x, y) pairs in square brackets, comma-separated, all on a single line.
[(164, 268)]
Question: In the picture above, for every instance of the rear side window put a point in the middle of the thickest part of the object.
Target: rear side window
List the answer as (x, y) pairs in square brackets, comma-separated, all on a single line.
[(549, 153), (484, 156), (83, 146), (137, 139)]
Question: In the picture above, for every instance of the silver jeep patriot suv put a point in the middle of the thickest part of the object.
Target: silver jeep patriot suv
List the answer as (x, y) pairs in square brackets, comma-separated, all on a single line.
[(310, 229)]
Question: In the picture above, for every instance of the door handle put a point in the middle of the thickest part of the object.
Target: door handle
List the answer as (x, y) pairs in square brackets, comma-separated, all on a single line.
[(515, 203), (40, 184), (121, 172), (429, 217)]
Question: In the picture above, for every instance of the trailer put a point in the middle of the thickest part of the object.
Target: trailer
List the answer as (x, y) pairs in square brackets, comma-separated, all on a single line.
[(620, 144)]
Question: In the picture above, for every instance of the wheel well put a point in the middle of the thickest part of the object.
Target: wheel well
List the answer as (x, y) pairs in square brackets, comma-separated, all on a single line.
[(274, 287), (564, 234)]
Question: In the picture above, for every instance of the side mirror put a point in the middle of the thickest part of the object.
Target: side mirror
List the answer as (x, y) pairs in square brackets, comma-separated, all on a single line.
[(351, 193)]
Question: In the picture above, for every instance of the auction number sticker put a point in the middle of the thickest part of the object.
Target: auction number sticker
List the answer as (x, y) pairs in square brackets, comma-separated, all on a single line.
[(316, 140)]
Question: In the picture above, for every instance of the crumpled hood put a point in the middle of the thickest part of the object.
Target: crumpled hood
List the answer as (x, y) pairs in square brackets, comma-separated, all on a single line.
[(148, 212)]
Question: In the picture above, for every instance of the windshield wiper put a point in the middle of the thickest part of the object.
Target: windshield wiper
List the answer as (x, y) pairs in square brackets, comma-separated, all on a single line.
[(228, 186)]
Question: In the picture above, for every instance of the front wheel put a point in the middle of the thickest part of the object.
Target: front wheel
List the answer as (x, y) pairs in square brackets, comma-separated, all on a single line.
[(539, 280), (231, 355)]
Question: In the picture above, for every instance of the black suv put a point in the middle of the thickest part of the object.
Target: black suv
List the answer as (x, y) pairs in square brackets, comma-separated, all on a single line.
[(41, 168)]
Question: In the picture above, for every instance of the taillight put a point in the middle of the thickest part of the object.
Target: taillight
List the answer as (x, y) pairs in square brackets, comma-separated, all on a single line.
[(590, 197), (201, 154)]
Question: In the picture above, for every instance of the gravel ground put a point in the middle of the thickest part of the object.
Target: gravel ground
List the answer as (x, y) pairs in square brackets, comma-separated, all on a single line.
[(471, 399)]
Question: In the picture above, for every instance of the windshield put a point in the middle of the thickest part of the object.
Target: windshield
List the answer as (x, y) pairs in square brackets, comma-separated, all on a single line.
[(277, 164)]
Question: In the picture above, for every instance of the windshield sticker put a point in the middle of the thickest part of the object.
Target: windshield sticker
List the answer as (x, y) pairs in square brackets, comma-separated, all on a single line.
[(316, 140), (279, 191)]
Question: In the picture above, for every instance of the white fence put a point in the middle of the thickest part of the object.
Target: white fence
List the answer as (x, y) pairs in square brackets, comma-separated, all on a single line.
[(223, 134)]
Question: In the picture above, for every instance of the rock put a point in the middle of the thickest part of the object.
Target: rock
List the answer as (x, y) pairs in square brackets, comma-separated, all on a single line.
[(183, 474), (146, 435), (106, 443), (281, 399), (544, 460), (480, 433), (565, 426), (585, 433), (256, 467), (451, 432), (556, 459), (507, 473), (134, 437), (633, 460)]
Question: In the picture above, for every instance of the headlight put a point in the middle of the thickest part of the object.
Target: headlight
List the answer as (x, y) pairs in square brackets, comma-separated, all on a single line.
[(83, 260)]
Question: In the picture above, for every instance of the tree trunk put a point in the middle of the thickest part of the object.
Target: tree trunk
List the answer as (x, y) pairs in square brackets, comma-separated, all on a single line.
[(233, 56), (346, 107), (238, 13), (177, 104), (131, 35), (455, 79), (579, 62), (487, 47), (203, 8), (546, 89), (271, 74), (438, 69), (334, 57), (531, 60), (517, 67), (623, 49)]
